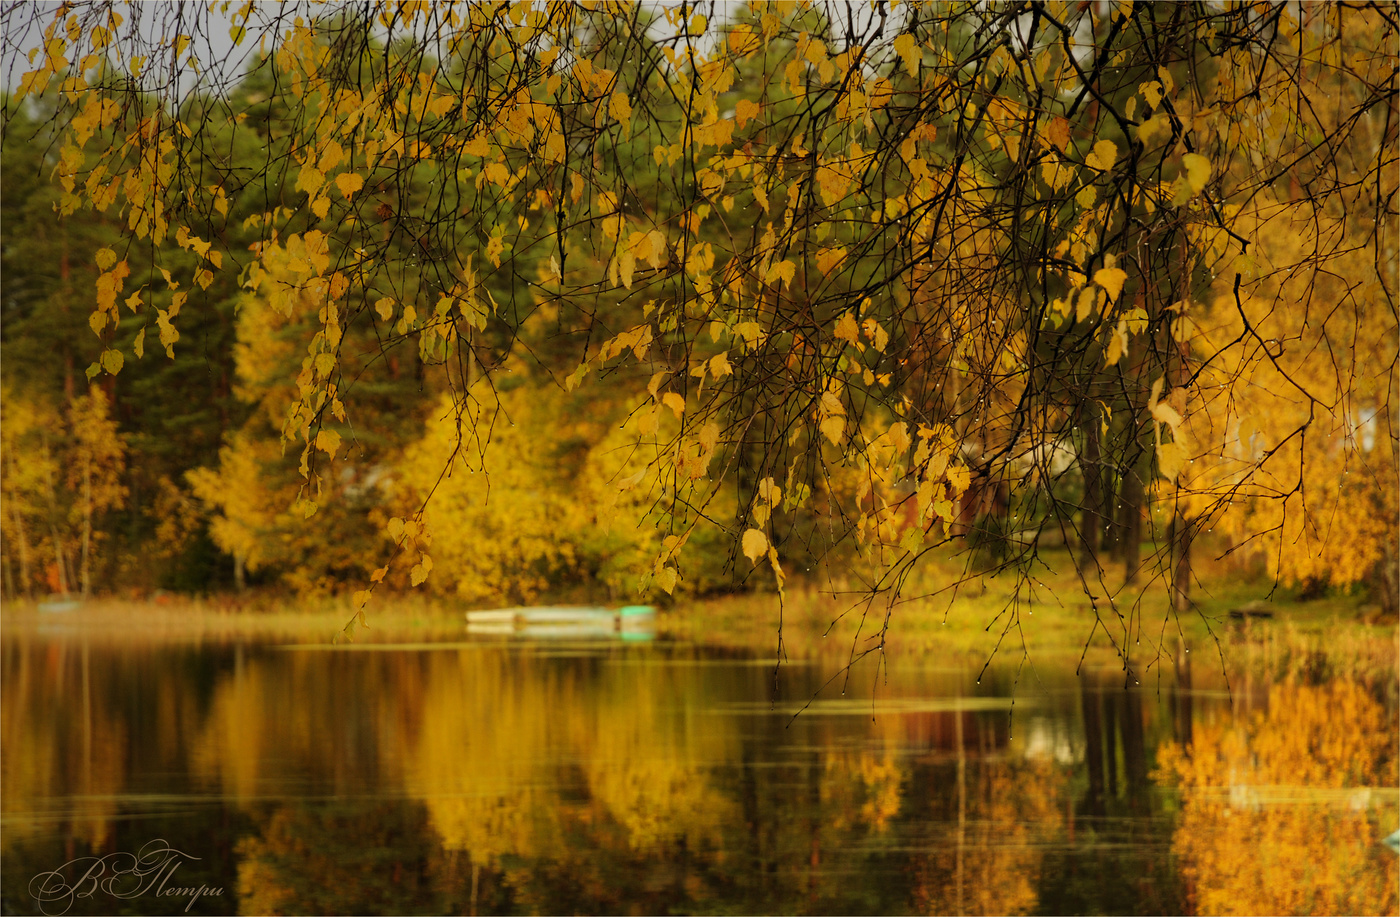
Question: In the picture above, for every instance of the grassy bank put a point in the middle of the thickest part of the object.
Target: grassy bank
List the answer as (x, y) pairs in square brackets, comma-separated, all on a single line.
[(1055, 615), (1050, 617)]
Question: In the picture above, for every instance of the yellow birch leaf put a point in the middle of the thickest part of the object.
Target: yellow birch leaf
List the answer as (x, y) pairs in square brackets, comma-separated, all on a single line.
[(1157, 127), (1104, 154), (709, 436), (1088, 301), (105, 258), (331, 156), (169, 334), (1152, 92), (834, 428), (719, 365), (385, 308), (770, 492), (1118, 345), (675, 402), (328, 441), (378, 575), (908, 50), (658, 254), (360, 599), (755, 544), (396, 528), (321, 206), (784, 271), (830, 257), (1171, 457), (666, 578), (477, 146), (959, 478), (97, 321), (620, 107), (1112, 280), (846, 328), (310, 179), (140, 346), (1197, 169), (348, 183), (1056, 133), (112, 361), (745, 111), (1163, 412)]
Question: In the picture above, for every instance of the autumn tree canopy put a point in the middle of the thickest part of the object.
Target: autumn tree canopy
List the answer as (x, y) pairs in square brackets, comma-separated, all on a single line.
[(865, 278)]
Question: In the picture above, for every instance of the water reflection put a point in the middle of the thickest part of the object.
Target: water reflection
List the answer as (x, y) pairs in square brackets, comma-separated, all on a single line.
[(1276, 804), (502, 778)]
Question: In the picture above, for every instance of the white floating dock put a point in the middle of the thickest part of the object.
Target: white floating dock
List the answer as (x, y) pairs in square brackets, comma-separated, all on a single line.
[(561, 620)]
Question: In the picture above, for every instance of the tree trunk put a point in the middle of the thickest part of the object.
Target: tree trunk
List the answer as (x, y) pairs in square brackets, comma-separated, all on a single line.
[(1091, 515), (84, 570), (1130, 524), (1179, 536), (22, 541), (59, 555)]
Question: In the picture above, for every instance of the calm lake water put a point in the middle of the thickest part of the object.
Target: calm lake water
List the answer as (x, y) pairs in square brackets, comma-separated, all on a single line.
[(608, 777)]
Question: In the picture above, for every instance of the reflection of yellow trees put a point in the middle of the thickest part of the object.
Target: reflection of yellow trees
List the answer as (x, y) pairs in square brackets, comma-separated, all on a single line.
[(1253, 840), (339, 859), (58, 744), (559, 782), (992, 862), (649, 755), (863, 785), (501, 735), (480, 758)]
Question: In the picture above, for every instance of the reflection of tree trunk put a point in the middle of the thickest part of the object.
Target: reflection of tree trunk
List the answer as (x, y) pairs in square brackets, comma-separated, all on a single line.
[(1134, 750), (962, 801), (1110, 741), (814, 803), (1093, 746), (1091, 517), (1130, 524), (1181, 706), (749, 795), (239, 581)]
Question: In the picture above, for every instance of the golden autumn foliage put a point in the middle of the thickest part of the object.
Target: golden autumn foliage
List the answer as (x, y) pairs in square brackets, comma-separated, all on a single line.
[(61, 472), (895, 268), (523, 504), (1276, 805)]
